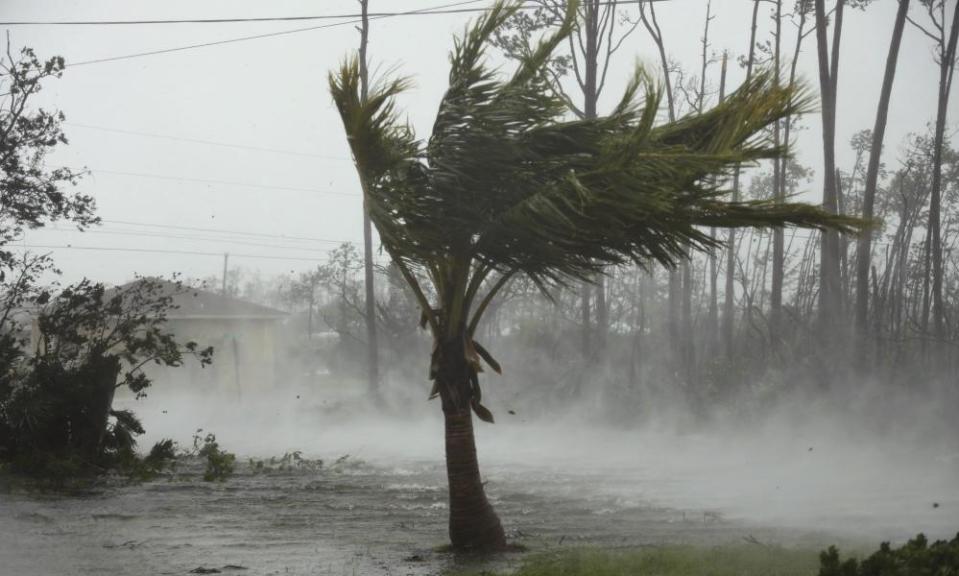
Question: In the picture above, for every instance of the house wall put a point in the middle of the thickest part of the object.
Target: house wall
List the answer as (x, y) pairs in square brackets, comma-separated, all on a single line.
[(244, 358)]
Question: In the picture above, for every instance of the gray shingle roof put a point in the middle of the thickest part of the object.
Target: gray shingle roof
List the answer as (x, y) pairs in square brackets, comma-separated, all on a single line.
[(198, 303)]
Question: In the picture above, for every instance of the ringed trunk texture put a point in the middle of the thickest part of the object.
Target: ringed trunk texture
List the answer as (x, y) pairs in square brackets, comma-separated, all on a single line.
[(474, 525)]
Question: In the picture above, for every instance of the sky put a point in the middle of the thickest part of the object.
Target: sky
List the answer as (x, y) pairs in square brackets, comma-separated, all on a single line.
[(236, 148)]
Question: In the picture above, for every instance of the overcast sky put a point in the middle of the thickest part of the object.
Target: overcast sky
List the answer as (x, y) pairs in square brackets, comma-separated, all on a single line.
[(146, 126)]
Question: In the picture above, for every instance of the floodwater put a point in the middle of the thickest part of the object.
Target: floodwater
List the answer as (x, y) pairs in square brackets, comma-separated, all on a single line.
[(378, 504)]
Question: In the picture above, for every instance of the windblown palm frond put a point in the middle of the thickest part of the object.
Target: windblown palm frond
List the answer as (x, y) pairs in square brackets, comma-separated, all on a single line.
[(507, 182)]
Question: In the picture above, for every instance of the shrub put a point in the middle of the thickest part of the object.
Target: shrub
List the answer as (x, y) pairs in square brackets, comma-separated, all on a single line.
[(914, 558), (56, 415), (219, 463)]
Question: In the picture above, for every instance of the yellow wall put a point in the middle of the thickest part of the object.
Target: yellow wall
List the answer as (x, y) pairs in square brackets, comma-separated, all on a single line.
[(244, 357)]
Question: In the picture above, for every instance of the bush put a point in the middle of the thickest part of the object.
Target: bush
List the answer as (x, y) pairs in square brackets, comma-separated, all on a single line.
[(289, 462), (56, 415), (915, 558), (219, 463)]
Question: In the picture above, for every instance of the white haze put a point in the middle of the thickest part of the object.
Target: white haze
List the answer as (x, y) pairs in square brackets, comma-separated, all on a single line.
[(865, 466)]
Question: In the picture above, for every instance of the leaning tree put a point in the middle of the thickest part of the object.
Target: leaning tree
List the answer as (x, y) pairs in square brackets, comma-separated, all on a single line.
[(509, 185)]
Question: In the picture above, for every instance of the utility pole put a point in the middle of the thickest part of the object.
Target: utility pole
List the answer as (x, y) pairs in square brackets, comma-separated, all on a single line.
[(372, 345), (226, 262)]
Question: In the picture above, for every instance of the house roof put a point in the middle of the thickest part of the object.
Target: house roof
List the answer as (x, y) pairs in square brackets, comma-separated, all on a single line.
[(196, 303)]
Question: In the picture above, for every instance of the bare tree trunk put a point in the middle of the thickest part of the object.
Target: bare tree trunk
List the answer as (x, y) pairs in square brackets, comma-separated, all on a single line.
[(590, 97), (675, 281), (713, 318), (946, 67), (830, 301), (729, 302), (686, 335), (779, 264), (864, 247), (586, 336), (372, 346)]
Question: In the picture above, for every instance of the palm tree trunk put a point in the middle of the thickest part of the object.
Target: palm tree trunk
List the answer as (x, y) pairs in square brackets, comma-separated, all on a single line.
[(473, 523)]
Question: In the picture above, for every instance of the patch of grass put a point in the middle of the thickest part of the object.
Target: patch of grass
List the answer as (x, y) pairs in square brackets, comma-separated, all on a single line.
[(751, 560)]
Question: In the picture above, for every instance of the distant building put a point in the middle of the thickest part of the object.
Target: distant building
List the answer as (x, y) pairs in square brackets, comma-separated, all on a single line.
[(244, 336)]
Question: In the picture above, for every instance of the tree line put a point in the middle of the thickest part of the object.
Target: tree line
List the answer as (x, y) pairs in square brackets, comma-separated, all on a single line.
[(791, 306)]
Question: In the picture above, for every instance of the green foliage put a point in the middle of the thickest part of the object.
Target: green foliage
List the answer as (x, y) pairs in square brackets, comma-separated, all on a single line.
[(56, 414), (32, 195), (914, 558), (506, 179), (219, 463), (162, 457), (56, 390), (508, 185)]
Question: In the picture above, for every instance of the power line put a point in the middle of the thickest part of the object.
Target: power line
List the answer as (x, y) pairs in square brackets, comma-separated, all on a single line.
[(261, 36), (219, 231), (209, 142), (218, 182), (141, 234), (449, 9), (160, 251), (247, 20)]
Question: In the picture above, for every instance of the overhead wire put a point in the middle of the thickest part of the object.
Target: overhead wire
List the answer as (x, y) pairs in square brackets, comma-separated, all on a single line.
[(216, 182), (142, 234), (164, 251), (207, 142), (223, 231), (453, 8), (261, 36), (448, 9)]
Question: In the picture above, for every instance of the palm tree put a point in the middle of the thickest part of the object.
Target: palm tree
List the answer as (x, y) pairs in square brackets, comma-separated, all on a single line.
[(508, 185)]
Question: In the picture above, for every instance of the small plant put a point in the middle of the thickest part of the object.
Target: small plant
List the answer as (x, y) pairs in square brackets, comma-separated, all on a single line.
[(914, 558), (161, 457), (219, 463), (289, 462)]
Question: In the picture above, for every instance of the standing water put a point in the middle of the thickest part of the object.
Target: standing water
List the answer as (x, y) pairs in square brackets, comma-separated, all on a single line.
[(377, 504)]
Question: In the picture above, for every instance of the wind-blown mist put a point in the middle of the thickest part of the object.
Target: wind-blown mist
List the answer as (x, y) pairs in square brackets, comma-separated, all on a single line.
[(865, 465)]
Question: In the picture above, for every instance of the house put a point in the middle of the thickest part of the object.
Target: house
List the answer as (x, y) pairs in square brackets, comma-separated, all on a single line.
[(244, 336)]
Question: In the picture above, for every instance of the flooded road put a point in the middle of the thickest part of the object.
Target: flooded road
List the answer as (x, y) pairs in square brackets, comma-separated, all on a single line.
[(352, 518), (382, 509)]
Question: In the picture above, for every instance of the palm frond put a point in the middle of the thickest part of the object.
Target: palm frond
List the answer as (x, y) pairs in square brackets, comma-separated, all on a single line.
[(508, 181)]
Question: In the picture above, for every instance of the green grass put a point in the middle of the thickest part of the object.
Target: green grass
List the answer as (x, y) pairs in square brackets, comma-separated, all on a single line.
[(746, 560)]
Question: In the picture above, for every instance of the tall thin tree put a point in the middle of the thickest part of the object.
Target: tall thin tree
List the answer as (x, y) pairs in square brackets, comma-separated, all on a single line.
[(730, 291), (946, 58), (590, 50), (830, 292), (779, 193), (864, 246), (647, 15)]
